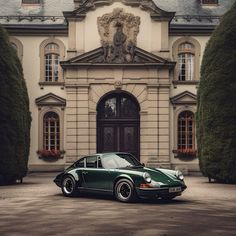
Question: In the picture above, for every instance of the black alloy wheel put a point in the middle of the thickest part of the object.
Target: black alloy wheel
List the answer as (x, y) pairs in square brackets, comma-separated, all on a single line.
[(68, 186), (124, 191)]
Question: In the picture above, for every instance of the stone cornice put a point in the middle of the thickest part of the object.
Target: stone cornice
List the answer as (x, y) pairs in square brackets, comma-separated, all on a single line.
[(50, 99), (184, 98), (84, 6), (187, 29), (90, 59), (33, 29)]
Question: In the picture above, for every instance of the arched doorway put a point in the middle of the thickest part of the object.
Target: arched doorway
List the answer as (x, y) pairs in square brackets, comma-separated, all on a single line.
[(118, 124)]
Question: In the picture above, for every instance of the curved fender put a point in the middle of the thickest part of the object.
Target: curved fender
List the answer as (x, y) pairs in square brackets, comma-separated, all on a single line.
[(74, 173), (125, 177)]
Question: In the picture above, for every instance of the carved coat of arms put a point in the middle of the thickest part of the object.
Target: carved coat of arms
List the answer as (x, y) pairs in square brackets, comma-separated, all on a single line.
[(118, 31)]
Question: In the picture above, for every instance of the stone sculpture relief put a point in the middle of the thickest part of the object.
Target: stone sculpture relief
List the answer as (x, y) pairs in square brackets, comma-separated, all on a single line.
[(118, 31)]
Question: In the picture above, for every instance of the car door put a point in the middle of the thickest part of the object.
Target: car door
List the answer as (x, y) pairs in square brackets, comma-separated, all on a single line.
[(80, 165), (95, 176)]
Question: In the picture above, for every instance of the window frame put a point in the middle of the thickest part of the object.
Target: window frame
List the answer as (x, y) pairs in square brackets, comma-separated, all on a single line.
[(48, 133), (42, 111), (54, 65), (186, 135), (187, 53), (196, 51), (43, 52), (178, 109)]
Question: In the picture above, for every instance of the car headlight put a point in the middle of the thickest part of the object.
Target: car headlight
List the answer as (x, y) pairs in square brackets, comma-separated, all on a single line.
[(179, 175), (147, 177)]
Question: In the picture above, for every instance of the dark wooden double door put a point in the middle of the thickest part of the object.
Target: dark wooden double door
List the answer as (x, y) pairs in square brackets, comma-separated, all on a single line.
[(118, 124)]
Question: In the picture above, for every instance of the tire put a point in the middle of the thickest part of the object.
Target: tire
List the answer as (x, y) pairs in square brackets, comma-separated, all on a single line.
[(124, 191), (68, 186)]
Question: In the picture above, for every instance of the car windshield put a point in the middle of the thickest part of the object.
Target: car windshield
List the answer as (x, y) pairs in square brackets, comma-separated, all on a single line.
[(120, 160)]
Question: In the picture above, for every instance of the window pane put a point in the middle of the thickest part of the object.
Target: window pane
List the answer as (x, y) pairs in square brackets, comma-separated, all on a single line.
[(51, 136), (186, 66), (51, 67), (128, 108), (109, 108), (91, 162), (52, 46), (186, 131)]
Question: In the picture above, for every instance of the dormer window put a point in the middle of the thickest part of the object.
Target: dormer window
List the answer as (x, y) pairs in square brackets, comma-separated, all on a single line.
[(209, 2), (33, 2)]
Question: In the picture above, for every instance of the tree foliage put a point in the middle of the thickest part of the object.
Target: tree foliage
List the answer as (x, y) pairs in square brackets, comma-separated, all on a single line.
[(15, 118), (216, 111)]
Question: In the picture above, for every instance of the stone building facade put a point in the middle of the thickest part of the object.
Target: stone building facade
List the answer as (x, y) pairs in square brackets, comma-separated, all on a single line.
[(107, 75)]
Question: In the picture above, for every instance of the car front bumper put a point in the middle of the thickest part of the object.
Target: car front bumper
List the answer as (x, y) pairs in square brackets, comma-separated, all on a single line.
[(159, 192)]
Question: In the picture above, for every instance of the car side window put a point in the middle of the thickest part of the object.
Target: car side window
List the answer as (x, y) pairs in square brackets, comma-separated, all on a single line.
[(91, 162), (80, 163)]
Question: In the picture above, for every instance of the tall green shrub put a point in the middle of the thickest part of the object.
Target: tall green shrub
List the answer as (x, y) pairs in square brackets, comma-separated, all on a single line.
[(15, 118), (216, 111)]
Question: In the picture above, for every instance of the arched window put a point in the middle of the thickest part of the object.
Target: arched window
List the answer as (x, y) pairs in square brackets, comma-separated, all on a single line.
[(51, 131), (186, 54), (186, 132), (17, 45), (51, 52), (51, 57)]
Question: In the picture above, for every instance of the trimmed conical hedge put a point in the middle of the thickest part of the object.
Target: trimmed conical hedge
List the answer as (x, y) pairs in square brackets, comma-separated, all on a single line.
[(15, 118), (216, 111)]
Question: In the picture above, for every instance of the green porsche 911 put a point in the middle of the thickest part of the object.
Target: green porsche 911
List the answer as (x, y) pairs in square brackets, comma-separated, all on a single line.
[(121, 175)]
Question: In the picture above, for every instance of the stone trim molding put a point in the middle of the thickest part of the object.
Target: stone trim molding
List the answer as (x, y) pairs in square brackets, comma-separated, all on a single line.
[(184, 98), (83, 7), (95, 58), (50, 99)]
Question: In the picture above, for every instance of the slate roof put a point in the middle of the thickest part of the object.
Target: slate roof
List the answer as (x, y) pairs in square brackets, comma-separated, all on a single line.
[(189, 12)]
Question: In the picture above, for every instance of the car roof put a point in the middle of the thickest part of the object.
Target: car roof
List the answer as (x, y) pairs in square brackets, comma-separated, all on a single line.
[(102, 154)]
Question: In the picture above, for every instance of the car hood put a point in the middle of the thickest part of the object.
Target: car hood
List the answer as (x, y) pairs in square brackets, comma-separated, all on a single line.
[(163, 176)]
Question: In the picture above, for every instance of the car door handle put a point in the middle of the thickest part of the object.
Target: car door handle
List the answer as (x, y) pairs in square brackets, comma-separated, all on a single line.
[(85, 172)]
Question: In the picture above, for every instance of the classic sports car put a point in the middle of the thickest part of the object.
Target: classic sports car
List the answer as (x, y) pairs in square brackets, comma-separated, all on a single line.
[(121, 175)]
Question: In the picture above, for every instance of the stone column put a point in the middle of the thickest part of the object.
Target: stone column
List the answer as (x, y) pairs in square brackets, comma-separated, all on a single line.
[(77, 122)]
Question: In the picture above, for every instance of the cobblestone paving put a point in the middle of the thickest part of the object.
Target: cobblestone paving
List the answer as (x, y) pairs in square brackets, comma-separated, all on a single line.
[(37, 208)]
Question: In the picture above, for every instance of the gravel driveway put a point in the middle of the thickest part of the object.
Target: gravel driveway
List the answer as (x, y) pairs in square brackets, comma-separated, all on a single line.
[(37, 207)]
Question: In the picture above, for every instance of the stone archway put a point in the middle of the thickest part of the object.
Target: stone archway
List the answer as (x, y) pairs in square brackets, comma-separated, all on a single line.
[(118, 124)]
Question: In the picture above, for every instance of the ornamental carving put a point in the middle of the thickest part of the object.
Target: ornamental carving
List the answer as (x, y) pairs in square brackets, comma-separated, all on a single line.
[(118, 31)]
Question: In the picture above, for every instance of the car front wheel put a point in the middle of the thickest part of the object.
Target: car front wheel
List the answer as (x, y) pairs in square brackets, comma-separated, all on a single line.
[(68, 186), (124, 191)]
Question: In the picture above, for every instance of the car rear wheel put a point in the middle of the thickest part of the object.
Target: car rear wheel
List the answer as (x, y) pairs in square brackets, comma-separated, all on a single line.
[(124, 191), (68, 186)]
